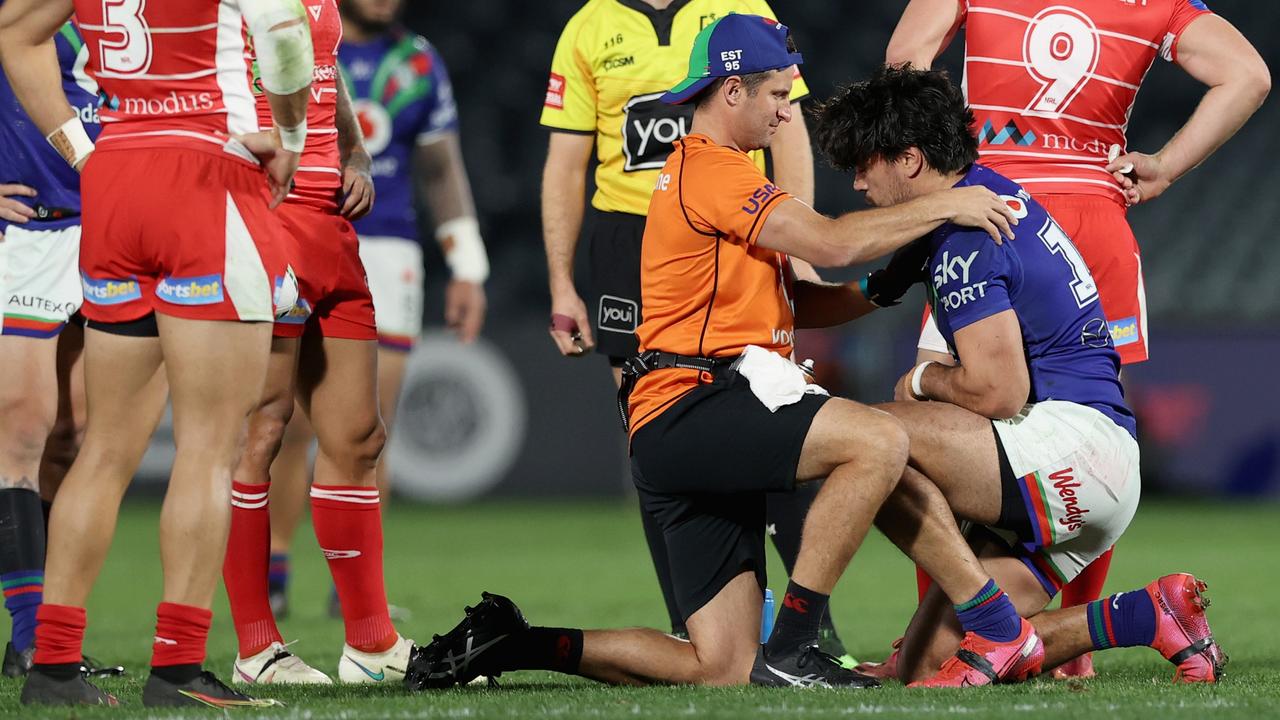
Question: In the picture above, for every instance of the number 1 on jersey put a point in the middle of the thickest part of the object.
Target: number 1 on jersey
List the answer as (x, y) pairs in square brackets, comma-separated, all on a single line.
[(1083, 285)]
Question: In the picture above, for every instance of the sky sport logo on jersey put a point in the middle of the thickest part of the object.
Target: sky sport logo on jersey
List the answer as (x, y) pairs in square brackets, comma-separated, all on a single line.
[(203, 290), (109, 291)]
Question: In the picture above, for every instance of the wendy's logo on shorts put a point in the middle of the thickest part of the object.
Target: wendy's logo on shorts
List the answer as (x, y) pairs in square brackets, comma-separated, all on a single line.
[(109, 291), (201, 290), (1066, 485), (618, 314)]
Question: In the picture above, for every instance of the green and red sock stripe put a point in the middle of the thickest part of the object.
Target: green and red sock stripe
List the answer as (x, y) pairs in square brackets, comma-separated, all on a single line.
[(22, 582), (1123, 620), (1100, 627), (987, 595)]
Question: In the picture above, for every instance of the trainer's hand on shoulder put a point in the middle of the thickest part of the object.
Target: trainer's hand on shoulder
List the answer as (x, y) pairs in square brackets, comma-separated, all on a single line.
[(979, 207), (464, 308), (12, 210), (357, 186), (279, 164), (1142, 177), (575, 340)]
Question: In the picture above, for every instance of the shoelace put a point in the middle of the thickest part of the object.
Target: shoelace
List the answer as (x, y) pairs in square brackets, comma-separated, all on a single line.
[(210, 679), (812, 653)]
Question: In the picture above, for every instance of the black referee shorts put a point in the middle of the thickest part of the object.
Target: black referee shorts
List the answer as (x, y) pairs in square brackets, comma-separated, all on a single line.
[(706, 464), (613, 240)]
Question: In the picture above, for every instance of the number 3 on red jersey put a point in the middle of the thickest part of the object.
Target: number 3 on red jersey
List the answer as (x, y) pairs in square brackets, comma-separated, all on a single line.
[(131, 54)]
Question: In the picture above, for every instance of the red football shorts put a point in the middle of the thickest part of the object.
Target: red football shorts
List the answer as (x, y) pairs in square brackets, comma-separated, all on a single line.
[(1098, 227), (178, 232), (333, 295)]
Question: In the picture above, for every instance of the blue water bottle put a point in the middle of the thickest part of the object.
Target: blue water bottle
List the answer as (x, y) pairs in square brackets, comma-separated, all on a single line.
[(766, 617)]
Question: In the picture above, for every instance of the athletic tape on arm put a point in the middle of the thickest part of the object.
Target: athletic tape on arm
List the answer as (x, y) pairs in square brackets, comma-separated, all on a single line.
[(463, 248), (282, 41)]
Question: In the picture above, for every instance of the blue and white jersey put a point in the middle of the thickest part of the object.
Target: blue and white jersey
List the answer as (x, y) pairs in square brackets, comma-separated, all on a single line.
[(401, 93), (27, 158), (1041, 276)]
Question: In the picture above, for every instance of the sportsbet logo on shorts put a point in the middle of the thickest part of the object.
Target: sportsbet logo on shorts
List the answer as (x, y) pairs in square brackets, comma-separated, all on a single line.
[(1125, 331), (203, 290), (109, 291)]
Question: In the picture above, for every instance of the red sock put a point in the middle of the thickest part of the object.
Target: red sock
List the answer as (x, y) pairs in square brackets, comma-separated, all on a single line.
[(1087, 586), (348, 523), (244, 571), (923, 581), (181, 632), (59, 634)]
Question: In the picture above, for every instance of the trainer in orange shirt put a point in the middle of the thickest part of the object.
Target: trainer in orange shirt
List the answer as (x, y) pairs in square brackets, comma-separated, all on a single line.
[(712, 436)]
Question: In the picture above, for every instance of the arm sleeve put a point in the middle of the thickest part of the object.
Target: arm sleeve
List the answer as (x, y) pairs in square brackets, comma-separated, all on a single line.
[(725, 193), (1182, 13), (284, 54), (570, 102), (970, 275), (440, 115)]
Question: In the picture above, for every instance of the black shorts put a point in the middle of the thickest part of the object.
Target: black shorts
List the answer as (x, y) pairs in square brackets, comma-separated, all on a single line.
[(705, 466), (613, 240)]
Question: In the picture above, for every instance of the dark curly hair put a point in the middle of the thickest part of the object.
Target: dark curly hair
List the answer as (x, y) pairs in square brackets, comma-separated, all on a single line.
[(899, 107)]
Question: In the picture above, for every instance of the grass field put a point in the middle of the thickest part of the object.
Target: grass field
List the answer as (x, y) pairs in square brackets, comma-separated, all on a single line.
[(586, 565)]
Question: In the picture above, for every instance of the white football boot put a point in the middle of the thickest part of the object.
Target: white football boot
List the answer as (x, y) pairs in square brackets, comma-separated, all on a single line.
[(387, 666), (276, 666)]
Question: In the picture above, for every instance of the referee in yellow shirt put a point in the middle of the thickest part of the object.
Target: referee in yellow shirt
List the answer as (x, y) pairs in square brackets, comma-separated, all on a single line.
[(615, 58)]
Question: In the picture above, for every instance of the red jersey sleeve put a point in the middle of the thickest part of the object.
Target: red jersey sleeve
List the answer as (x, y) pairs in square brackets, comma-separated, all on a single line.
[(1181, 14)]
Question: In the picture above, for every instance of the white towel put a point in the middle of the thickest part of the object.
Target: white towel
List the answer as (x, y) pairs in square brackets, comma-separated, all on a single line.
[(775, 380)]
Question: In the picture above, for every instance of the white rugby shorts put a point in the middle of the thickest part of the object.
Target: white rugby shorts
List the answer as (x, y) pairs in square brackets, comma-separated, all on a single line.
[(393, 267), (39, 280), (1077, 473)]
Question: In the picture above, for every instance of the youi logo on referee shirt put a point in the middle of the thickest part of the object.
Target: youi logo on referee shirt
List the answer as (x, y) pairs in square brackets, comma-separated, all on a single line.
[(649, 129)]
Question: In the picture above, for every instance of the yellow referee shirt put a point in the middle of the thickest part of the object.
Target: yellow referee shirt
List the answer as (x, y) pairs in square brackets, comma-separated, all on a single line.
[(614, 59)]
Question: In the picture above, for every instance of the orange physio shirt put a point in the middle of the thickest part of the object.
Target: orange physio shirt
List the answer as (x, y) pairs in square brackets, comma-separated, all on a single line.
[(707, 290)]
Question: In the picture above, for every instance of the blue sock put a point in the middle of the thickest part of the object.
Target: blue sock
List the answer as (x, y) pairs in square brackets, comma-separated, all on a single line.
[(1124, 620), (23, 591), (990, 614), (278, 572)]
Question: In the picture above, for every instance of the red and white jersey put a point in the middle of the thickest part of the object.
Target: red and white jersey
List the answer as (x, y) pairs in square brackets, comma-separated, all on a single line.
[(171, 73), (1052, 84), (318, 182)]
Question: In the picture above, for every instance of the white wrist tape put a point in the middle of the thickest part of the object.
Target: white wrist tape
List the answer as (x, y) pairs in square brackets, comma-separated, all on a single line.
[(915, 379), (463, 248), (282, 44), (71, 141), (295, 138)]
